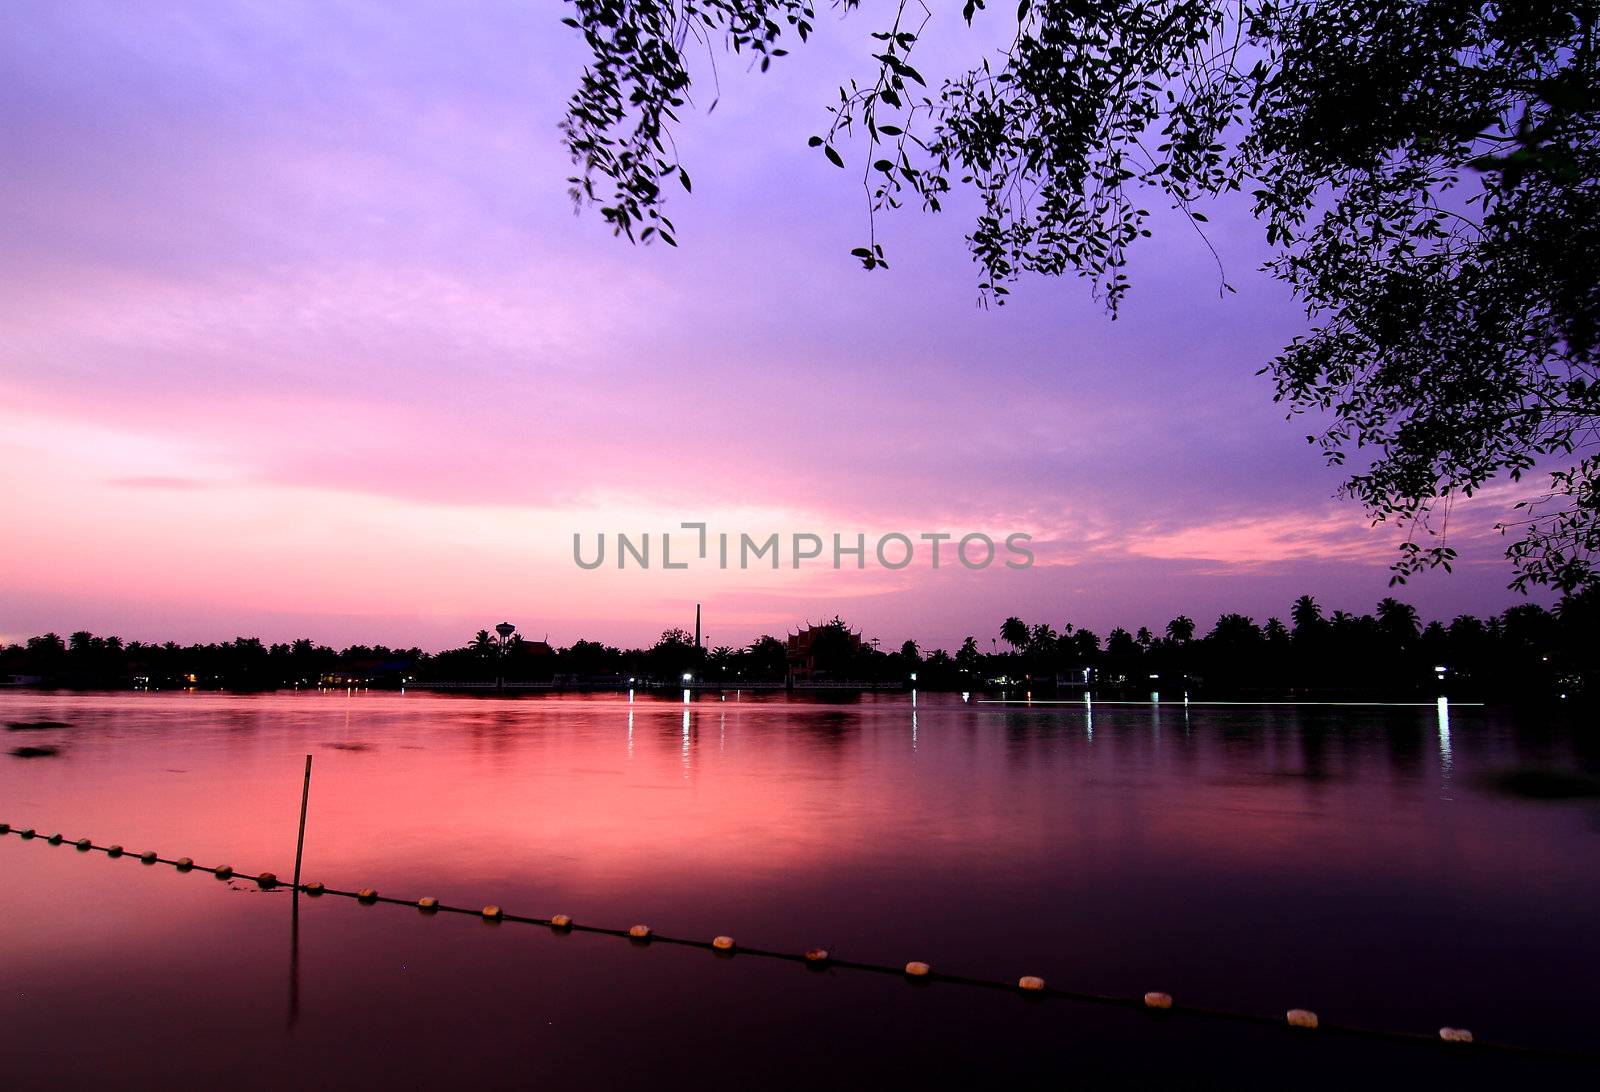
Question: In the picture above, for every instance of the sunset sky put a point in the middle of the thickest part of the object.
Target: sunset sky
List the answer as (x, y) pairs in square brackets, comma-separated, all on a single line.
[(300, 336)]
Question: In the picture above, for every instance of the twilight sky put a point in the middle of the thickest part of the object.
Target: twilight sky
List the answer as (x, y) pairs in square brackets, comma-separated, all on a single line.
[(299, 335)]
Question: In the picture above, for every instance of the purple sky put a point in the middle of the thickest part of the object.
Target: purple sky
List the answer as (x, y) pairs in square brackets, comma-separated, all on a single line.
[(301, 336)]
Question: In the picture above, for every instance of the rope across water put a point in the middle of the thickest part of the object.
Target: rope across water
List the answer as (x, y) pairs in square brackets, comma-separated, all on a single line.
[(1030, 985)]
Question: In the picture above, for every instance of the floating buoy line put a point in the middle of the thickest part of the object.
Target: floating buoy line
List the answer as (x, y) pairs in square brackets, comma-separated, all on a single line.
[(1185, 703), (1030, 986)]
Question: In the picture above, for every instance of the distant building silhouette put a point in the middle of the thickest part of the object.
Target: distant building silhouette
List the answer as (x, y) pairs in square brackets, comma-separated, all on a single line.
[(821, 649)]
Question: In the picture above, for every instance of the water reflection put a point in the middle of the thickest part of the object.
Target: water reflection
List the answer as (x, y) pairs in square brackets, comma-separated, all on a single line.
[(815, 823), (686, 735), (294, 959), (1444, 747)]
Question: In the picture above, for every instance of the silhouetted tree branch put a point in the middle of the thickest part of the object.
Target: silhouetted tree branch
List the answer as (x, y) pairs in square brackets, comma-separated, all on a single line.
[(1425, 169)]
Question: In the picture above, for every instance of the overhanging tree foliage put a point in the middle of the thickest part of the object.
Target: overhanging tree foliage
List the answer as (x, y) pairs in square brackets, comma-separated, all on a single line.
[(1424, 169)]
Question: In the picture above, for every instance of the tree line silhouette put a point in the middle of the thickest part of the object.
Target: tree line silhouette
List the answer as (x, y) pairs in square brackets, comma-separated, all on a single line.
[(1524, 653), (245, 663)]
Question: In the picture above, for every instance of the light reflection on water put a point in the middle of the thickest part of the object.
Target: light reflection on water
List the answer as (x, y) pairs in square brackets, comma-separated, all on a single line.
[(1444, 746), (1258, 858)]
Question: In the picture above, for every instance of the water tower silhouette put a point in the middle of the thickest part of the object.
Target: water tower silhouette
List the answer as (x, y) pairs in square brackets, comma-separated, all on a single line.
[(505, 630)]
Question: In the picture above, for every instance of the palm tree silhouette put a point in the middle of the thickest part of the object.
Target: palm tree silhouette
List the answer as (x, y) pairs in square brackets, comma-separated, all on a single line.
[(1398, 619)]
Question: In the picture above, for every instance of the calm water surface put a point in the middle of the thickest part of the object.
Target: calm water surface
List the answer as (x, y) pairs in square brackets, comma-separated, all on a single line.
[(1359, 862)]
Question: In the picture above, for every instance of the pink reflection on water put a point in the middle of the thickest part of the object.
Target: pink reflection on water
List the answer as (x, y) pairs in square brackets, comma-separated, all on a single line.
[(1230, 856)]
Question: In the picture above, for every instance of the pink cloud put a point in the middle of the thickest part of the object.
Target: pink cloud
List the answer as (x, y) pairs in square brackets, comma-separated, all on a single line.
[(1337, 533)]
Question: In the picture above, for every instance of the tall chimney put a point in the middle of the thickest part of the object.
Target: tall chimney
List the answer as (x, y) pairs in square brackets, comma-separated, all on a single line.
[(697, 625)]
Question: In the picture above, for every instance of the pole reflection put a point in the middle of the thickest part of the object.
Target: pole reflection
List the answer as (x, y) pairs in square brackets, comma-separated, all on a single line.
[(294, 960)]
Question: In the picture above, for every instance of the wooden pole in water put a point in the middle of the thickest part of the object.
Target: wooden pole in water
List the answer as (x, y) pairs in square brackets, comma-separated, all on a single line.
[(300, 842)]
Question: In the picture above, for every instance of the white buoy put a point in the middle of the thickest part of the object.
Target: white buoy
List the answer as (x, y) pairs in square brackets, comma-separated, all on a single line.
[(55, 839), (1301, 1018), (367, 895), (639, 932), (918, 969), (1155, 1000), (1455, 1035), (427, 904), (222, 872), (183, 864), (113, 851), (1030, 982), (561, 921), (267, 880), (84, 845), (314, 888), (722, 944), (817, 955), (491, 913), (148, 856)]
